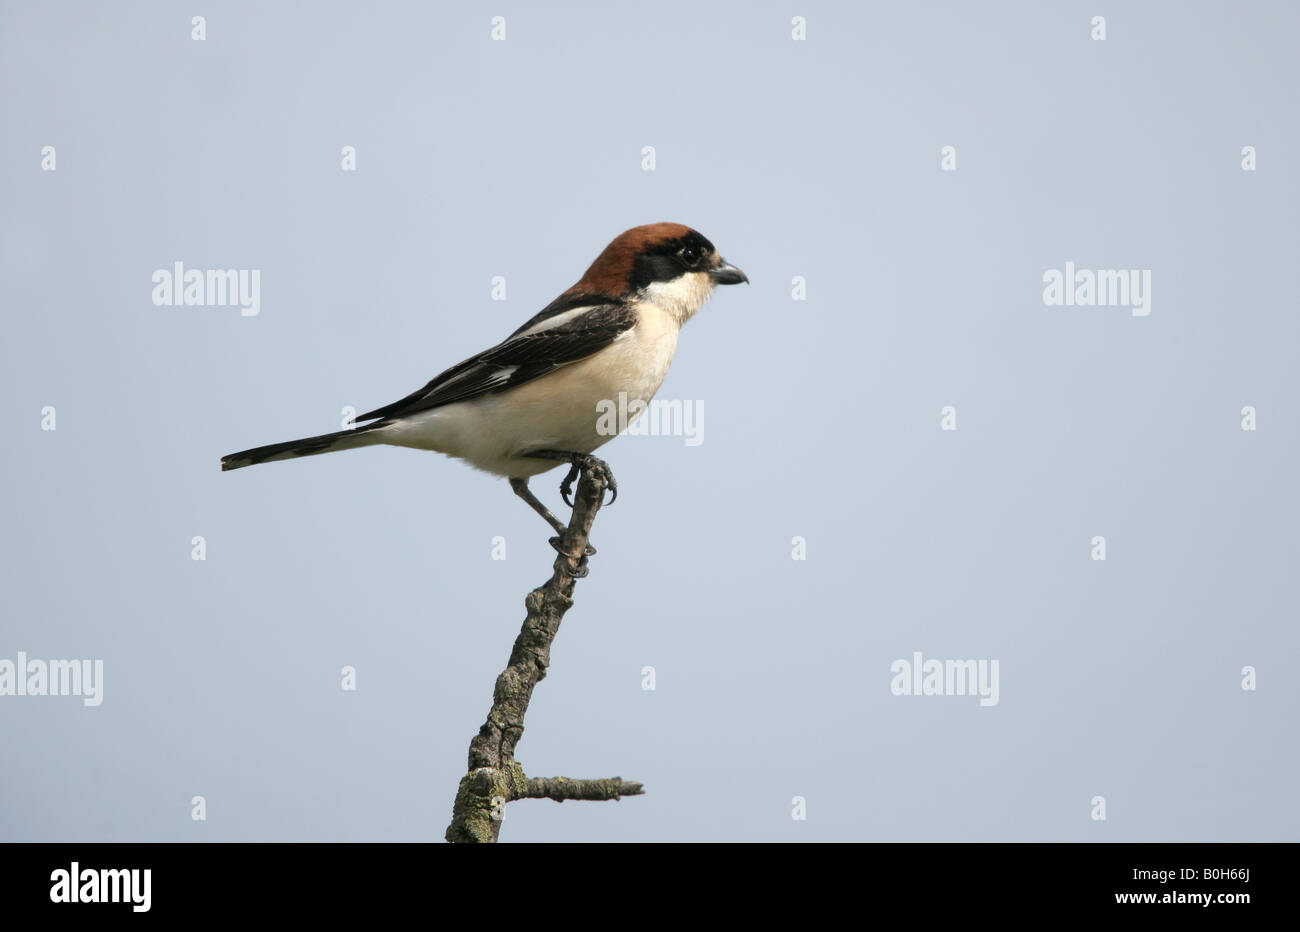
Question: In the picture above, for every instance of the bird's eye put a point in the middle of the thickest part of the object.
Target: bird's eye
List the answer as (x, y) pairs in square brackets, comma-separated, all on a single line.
[(689, 255)]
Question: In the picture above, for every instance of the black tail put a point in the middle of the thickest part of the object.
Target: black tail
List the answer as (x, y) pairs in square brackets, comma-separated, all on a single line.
[(308, 446)]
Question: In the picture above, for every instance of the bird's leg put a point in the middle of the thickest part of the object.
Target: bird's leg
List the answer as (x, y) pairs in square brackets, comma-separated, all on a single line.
[(579, 463), (520, 487)]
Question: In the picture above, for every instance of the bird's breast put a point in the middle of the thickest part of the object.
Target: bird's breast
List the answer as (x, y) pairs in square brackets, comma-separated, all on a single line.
[(637, 362), (567, 409), (626, 375)]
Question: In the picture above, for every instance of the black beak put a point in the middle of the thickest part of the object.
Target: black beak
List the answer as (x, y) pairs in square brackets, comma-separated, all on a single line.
[(727, 274)]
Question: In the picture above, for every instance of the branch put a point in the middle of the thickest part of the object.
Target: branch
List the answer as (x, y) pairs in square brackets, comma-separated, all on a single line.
[(562, 788), (495, 777)]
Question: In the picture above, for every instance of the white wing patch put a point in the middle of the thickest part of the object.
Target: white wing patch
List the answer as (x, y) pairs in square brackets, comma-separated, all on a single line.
[(503, 374), (557, 320)]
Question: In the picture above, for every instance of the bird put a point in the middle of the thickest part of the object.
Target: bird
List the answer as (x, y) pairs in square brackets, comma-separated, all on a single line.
[(529, 404)]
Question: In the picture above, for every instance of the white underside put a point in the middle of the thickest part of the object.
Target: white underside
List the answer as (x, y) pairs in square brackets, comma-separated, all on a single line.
[(558, 411)]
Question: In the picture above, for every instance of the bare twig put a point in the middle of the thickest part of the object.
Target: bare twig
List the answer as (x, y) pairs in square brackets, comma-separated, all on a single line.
[(495, 777), (562, 788)]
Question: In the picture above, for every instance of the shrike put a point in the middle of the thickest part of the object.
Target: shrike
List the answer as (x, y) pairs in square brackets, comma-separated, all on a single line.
[(530, 403)]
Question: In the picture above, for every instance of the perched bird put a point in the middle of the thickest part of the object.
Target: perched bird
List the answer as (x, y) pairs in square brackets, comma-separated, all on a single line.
[(530, 403)]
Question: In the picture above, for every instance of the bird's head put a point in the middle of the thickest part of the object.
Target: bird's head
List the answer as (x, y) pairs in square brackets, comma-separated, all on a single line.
[(666, 264)]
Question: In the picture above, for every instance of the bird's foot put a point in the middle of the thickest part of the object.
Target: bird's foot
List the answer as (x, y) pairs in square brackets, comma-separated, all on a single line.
[(566, 486), (594, 467), (582, 570), (558, 544)]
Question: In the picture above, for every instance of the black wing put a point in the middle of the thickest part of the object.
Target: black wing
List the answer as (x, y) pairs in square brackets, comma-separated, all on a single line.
[(569, 301), (517, 360)]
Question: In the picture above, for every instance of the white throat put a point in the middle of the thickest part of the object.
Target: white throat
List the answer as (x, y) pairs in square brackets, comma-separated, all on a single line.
[(682, 297)]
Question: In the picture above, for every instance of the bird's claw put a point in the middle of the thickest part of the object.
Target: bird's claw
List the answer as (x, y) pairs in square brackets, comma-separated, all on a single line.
[(558, 544), (593, 466), (582, 570), (566, 487), (601, 468)]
